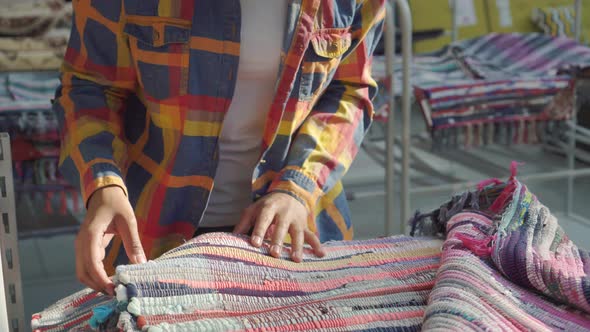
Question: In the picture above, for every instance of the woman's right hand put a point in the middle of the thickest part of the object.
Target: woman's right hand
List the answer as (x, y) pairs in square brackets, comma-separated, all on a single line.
[(109, 213)]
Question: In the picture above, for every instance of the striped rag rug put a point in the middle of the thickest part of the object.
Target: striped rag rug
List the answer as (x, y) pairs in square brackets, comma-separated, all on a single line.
[(218, 282), (505, 265), (511, 111), (521, 85), (495, 89)]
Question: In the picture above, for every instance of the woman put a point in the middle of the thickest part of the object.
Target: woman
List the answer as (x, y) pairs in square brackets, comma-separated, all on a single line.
[(216, 115)]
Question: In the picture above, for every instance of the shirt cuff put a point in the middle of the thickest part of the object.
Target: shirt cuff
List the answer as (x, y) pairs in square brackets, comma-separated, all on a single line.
[(300, 185), (101, 176)]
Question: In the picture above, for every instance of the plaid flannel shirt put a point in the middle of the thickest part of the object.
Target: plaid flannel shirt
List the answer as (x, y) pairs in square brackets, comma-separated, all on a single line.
[(146, 84)]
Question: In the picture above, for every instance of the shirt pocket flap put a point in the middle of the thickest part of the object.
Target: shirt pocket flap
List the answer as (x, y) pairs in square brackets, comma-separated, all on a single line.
[(158, 31), (331, 43)]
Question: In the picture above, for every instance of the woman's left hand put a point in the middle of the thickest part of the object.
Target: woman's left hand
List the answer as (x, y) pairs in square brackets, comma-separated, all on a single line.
[(287, 215)]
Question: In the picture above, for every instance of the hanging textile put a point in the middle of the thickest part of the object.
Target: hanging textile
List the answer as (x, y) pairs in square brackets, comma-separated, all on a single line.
[(42, 194)]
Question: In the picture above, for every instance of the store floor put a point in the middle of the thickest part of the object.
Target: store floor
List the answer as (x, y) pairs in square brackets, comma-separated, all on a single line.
[(47, 264)]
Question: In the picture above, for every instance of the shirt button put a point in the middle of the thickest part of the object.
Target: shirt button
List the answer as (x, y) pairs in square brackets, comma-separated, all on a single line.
[(156, 35)]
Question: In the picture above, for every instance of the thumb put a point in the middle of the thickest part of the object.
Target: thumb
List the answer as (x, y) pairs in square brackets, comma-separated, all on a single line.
[(130, 236), (245, 221)]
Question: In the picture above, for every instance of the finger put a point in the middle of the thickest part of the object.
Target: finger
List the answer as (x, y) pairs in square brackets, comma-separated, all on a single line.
[(127, 227), (94, 266), (278, 236), (106, 239), (245, 221), (314, 242), (81, 266), (297, 239), (86, 280), (263, 220)]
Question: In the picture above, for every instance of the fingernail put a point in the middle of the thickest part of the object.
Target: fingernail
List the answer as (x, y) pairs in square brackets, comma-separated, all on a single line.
[(275, 249), (257, 240), (140, 259)]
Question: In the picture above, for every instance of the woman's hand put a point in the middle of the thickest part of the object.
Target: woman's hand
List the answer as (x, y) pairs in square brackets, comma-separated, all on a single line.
[(286, 215), (109, 213)]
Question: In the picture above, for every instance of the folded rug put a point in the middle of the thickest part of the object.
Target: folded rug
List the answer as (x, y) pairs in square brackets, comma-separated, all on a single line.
[(508, 88)]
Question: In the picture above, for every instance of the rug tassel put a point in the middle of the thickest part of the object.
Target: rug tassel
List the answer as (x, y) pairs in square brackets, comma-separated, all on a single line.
[(496, 132), (533, 132), (503, 133), (435, 140), (509, 133), (477, 129), (480, 247), (468, 136), (540, 131), (101, 315), (482, 133)]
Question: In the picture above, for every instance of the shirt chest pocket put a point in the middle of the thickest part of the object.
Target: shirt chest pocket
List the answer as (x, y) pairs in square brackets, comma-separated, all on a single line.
[(321, 60), (160, 48)]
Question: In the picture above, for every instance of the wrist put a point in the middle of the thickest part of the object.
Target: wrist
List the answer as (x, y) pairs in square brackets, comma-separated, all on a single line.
[(105, 194)]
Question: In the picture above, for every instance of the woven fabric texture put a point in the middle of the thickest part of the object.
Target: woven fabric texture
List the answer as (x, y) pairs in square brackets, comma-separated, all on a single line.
[(218, 282), (505, 265)]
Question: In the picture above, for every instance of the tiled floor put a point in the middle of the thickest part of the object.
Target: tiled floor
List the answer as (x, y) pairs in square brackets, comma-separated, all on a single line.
[(47, 264)]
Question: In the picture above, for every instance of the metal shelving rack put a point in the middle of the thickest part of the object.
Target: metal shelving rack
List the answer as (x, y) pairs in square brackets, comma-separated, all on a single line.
[(405, 17), (576, 133), (12, 312)]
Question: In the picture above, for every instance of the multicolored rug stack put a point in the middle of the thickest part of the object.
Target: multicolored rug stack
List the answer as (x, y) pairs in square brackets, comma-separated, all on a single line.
[(495, 89), (520, 86), (505, 265)]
